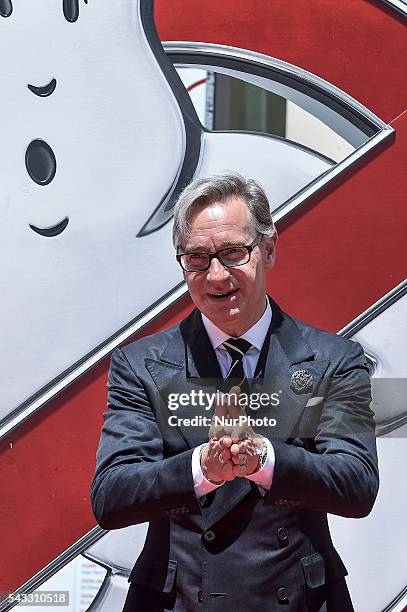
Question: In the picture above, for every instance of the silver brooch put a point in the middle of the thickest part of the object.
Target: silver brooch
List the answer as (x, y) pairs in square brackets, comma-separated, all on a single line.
[(301, 381)]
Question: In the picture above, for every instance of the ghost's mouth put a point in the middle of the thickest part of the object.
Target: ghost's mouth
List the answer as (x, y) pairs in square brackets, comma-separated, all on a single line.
[(54, 230), (44, 90)]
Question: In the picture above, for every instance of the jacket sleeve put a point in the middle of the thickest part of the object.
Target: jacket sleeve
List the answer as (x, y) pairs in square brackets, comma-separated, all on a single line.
[(337, 470), (133, 481)]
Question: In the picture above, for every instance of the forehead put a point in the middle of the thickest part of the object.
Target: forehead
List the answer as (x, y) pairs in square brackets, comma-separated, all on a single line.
[(220, 222)]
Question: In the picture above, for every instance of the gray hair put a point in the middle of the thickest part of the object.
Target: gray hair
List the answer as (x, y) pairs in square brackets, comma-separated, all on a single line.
[(219, 188)]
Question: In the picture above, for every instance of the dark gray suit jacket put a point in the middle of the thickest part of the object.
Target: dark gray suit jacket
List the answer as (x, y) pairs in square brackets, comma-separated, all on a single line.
[(240, 550)]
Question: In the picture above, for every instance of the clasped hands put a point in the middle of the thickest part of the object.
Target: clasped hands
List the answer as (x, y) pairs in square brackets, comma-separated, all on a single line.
[(233, 448)]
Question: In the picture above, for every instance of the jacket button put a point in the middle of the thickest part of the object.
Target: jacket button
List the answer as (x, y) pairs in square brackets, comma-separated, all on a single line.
[(282, 595), (200, 596), (209, 536), (282, 534)]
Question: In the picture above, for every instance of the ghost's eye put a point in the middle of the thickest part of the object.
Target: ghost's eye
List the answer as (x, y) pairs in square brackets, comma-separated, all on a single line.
[(6, 8), (40, 162), (71, 9)]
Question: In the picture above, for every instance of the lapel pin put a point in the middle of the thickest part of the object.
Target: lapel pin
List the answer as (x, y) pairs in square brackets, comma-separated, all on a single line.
[(301, 381)]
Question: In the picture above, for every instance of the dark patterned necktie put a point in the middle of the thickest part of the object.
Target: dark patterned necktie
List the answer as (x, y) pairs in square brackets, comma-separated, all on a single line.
[(237, 348)]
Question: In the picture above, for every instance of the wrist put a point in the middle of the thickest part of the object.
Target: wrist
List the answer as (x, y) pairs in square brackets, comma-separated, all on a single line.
[(261, 456), (203, 468)]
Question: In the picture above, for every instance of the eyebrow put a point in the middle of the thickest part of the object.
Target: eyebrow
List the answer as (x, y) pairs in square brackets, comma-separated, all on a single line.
[(223, 244)]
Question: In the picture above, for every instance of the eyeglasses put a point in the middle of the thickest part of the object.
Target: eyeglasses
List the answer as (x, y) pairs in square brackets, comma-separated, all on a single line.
[(230, 257)]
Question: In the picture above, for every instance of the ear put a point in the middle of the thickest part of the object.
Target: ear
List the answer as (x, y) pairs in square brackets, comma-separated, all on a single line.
[(270, 250)]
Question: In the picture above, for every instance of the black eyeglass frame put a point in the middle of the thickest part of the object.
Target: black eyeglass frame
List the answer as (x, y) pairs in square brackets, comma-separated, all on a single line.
[(216, 255)]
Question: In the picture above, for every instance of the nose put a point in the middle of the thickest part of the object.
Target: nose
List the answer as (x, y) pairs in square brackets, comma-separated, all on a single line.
[(217, 272)]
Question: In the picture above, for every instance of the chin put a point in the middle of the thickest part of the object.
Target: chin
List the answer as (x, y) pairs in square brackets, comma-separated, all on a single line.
[(225, 320)]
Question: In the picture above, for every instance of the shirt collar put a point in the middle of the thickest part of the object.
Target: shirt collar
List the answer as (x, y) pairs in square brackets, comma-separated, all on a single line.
[(255, 335)]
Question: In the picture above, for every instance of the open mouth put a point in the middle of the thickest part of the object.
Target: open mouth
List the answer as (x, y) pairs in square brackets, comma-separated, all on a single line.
[(54, 230), (223, 295)]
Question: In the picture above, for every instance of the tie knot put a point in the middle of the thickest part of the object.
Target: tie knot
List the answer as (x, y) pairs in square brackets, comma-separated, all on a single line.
[(236, 347)]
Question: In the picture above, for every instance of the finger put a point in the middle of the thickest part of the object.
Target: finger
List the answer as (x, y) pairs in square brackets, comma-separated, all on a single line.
[(239, 432), (221, 408), (233, 404), (239, 459), (215, 445), (226, 441), (224, 456), (215, 433), (216, 429), (227, 472), (235, 449), (216, 450), (239, 470)]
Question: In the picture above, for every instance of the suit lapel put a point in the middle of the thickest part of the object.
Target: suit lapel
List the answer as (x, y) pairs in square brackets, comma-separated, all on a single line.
[(288, 352), (201, 359)]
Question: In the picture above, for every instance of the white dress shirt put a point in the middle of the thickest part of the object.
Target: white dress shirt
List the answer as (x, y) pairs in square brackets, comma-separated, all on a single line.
[(256, 336)]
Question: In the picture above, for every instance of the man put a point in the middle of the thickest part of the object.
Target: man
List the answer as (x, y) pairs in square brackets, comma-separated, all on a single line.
[(237, 511)]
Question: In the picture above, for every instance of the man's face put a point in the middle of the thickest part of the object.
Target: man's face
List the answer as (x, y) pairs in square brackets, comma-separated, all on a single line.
[(232, 298)]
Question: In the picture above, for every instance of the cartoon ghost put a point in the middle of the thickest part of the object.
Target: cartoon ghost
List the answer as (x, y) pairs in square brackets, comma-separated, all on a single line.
[(92, 138)]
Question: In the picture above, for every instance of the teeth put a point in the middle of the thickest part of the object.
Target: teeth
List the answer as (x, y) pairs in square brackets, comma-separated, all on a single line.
[(225, 293)]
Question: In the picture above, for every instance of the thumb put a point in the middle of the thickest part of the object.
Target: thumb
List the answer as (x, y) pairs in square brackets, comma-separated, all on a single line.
[(233, 403), (221, 408)]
